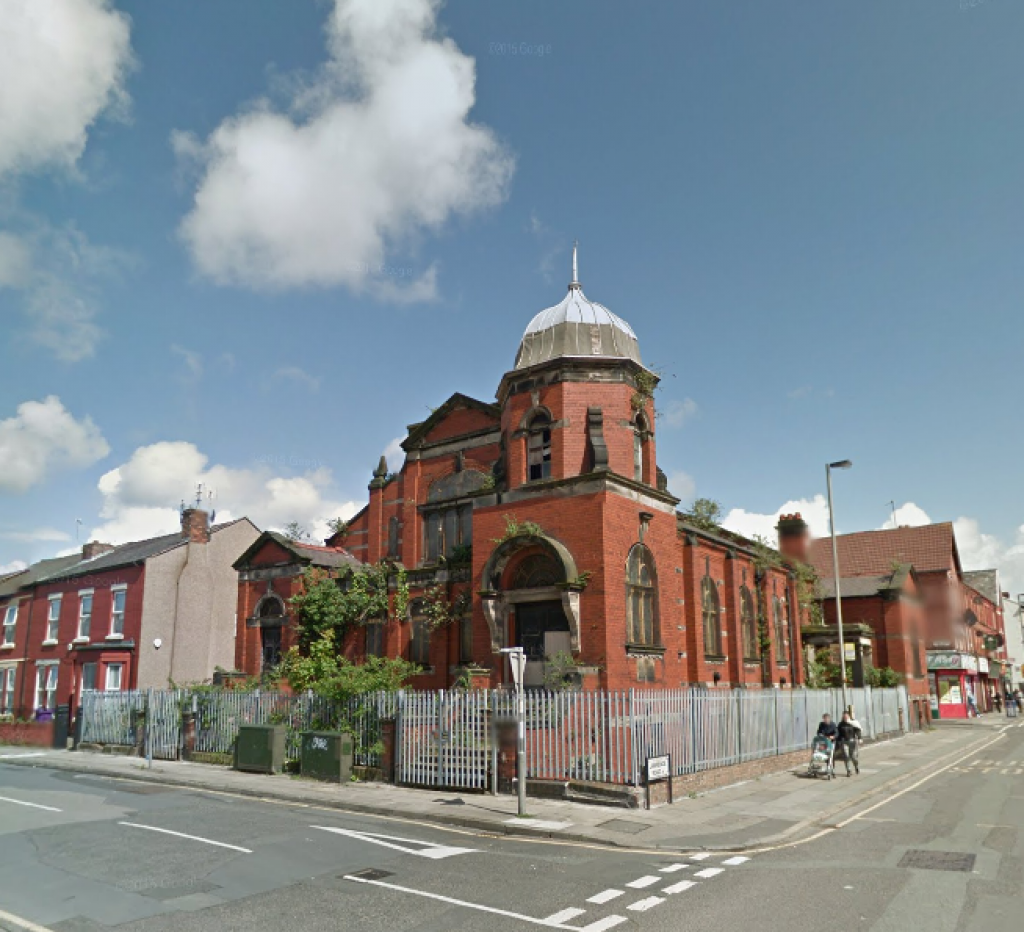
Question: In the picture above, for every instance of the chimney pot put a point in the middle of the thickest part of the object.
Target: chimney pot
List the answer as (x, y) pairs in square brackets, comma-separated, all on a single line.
[(94, 548), (195, 525)]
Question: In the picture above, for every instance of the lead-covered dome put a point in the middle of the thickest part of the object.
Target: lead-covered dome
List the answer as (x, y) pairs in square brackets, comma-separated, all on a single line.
[(576, 326)]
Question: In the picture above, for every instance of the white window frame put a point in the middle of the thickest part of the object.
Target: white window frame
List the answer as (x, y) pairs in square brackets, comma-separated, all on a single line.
[(53, 624), (83, 594), (117, 630), (120, 677), (96, 670), (44, 685), (7, 678), (10, 624)]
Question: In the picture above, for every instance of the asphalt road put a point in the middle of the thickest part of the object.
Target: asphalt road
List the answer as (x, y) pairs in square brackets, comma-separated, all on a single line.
[(82, 853)]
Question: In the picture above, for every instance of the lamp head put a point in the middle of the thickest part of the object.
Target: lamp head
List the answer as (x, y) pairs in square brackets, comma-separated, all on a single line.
[(842, 464)]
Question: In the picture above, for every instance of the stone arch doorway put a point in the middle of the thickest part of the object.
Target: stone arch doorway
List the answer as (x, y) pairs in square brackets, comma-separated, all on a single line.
[(531, 600), (270, 617)]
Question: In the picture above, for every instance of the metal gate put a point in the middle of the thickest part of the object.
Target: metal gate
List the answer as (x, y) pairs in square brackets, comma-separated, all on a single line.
[(444, 739), (164, 723)]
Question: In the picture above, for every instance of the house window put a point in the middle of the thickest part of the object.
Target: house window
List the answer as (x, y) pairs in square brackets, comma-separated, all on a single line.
[(538, 451), (10, 621), (113, 680), (781, 641), (46, 686), (641, 597), (374, 639), (117, 613), (419, 641), (639, 438), (84, 614), (445, 530), (748, 624), (709, 613), (7, 675), (466, 638), (53, 619), (89, 672)]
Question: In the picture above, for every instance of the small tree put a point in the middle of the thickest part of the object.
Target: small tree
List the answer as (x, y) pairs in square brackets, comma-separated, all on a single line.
[(338, 528), (705, 513), (295, 531)]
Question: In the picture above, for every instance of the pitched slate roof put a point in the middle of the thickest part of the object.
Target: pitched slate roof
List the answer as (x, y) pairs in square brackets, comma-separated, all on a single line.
[(985, 582), (127, 554), (9, 585), (871, 553), (312, 554)]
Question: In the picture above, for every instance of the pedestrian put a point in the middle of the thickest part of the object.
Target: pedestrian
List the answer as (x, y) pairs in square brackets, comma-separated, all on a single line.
[(997, 701), (849, 735), (1019, 699), (972, 704), (827, 728)]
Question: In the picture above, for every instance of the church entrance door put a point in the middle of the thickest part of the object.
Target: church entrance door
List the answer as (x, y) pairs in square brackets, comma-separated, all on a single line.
[(542, 630)]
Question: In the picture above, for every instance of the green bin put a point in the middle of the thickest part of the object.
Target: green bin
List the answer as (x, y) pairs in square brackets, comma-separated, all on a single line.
[(260, 748), (326, 755)]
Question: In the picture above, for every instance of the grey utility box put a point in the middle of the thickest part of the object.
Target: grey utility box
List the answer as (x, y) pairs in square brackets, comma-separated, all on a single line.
[(260, 748), (326, 755)]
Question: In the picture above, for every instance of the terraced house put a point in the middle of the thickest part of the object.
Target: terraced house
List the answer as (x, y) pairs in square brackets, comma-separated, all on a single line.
[(542, 520), (134, 616)]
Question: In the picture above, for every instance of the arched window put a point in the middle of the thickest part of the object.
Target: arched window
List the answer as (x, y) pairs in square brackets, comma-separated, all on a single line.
[(639, 438), (419, 635), (538, 448), (781, 639), (748, 624), (536, 570), (271, 608), (641, 598), (712, 624)]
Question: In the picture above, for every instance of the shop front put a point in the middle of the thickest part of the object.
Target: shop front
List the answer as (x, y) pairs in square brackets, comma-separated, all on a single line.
[(951, 677)]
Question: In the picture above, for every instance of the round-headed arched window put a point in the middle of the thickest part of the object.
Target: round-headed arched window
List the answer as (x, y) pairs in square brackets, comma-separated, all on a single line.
[(535, 571), (748, 624), (538, 447), (271, 608), (709, 613), (641, 598), (781, 641), (639, 439)]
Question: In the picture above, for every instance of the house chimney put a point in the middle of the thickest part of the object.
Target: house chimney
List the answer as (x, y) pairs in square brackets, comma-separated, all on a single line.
[(794, 536), (94, 548), (195, 526)]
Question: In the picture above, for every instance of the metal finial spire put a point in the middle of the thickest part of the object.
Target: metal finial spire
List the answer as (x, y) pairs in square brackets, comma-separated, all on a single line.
[(575, 283)]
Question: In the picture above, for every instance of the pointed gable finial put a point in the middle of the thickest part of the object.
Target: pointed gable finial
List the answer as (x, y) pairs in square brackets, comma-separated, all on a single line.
[(575, 283), (380, 474)]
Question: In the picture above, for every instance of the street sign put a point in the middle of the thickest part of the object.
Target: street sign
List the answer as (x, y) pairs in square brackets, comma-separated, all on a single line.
[(657, 768), (517, 660)]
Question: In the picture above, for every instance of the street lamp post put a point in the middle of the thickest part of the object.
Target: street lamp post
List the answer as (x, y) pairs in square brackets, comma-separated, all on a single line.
[(841, 464), (517, 659)]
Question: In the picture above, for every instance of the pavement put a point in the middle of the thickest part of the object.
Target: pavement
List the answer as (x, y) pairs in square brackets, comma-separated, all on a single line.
[(785, 806)]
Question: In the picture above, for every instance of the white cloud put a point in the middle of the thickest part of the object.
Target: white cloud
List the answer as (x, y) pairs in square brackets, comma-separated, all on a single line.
[(375, 150), (63, 63), (682, 486), (552, 246), (40, 534), (44, 436), (141, 497), (57, 271), (16, 566), (981, 551), (299, 377), (908, 515), (749, 523), (394, 454), (192, 364), (677, 412)]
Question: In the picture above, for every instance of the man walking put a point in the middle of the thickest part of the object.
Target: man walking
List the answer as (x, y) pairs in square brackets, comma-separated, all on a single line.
[(849, 736)]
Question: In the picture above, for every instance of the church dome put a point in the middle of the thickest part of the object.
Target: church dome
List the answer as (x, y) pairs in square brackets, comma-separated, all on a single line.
[(579, 327)]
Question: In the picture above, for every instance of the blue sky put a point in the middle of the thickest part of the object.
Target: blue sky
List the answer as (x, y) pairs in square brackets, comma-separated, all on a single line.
[(247, 243)]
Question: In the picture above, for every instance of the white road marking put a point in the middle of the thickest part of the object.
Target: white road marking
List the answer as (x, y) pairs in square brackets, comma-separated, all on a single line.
[(679, 887), (605, 895), (571, 913), (205, 841), (609, 922), (533, 920), (732, 862), (709, 872), (703, 856), (430, 849), (641, 906), (25, 924), (539, 823), (24, 754), (649, 881), (672, 868), (21, 802)]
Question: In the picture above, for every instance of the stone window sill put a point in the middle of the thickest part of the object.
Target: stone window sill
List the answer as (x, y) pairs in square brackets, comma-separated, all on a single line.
[(50, 642), (80, 640), (653, 650), (715, 658), (6, 647), (114, 637)]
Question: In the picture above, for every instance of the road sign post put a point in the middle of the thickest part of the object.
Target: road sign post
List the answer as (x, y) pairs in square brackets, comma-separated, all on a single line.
[(517, 660)]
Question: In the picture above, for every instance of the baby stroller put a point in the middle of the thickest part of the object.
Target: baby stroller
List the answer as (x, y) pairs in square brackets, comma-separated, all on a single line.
[(822, 757)]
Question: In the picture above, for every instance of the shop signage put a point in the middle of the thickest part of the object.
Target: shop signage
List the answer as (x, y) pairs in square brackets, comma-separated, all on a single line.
[(982, 665), (952, 660)]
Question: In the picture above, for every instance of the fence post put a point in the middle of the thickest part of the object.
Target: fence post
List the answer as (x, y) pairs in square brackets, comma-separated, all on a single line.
[(739, 726), (778, 743), (632, 742)]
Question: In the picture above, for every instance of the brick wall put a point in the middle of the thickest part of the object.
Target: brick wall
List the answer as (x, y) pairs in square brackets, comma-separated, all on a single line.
[(33, 734)]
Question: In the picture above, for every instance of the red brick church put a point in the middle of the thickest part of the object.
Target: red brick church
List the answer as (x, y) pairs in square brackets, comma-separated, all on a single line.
[(547, 513)]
